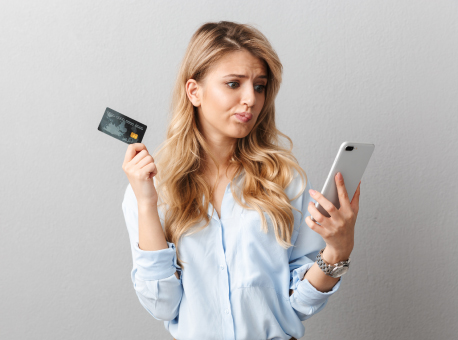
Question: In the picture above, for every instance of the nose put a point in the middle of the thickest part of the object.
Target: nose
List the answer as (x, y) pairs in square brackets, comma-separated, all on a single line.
[(249, 95)]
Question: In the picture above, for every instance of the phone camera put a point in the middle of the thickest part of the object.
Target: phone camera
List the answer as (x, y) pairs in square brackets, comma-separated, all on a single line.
[(349, 148)]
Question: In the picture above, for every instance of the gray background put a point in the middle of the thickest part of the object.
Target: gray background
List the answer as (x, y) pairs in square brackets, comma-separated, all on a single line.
[(384, 72)]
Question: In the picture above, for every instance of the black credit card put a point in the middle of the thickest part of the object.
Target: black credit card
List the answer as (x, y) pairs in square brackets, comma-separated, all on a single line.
[(121, 127)]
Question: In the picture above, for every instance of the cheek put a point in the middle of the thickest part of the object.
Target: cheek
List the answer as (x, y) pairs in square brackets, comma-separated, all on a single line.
[(222, 100), (260, 102)]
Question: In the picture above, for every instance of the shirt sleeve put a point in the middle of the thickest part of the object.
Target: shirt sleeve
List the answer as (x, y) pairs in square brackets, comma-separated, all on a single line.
[(306, 300), (153, 272)]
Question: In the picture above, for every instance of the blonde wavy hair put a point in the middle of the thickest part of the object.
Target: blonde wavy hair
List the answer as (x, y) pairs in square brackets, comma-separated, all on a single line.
[(268, 165)]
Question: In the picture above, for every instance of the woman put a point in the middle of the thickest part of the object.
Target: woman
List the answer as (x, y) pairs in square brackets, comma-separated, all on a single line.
[(222, 245)]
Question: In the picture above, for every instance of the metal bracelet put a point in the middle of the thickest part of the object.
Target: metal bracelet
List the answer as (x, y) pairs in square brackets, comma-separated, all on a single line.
[(327, 267)]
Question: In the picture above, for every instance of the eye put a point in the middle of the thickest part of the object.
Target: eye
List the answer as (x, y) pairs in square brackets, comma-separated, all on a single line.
[(262, 88), (231, 82)]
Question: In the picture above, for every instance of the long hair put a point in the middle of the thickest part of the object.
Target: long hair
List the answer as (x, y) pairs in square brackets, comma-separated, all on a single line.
[(267, 165)]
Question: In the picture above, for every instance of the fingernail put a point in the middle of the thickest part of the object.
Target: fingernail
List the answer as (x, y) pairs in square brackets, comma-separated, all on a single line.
[(312, 192), (339, 176)]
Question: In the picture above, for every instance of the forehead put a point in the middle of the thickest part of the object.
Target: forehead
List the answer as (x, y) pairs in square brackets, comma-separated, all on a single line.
[(239, 62)]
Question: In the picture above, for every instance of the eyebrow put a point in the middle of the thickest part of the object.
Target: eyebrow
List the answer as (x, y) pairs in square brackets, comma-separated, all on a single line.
[(243, 76)]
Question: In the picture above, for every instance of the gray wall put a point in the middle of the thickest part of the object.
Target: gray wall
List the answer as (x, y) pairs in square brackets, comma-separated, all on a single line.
[(384, 72)]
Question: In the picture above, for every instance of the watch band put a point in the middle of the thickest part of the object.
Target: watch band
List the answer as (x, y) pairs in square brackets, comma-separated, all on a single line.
[(336, 270)]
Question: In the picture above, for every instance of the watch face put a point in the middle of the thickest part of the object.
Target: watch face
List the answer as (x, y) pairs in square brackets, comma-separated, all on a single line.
[(339, 271)]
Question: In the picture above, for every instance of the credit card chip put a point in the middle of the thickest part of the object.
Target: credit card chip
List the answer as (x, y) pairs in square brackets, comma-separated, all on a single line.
[(133, 135)]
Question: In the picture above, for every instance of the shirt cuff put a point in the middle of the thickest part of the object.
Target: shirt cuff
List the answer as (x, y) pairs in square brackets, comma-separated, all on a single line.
[(305, 291), (155, 264)]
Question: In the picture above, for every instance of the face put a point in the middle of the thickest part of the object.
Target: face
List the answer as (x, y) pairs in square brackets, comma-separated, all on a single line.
[(236, 84)]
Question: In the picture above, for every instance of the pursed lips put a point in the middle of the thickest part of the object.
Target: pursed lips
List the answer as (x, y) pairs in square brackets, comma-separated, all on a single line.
[(246, 115)]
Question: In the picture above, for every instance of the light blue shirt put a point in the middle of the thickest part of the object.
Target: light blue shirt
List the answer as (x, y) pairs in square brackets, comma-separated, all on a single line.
[(236, 280)]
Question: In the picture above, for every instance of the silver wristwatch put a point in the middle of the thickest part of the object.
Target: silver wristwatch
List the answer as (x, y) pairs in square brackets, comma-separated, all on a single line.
[(335, 270)]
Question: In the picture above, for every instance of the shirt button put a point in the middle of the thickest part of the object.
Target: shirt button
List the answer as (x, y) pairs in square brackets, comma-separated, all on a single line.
[(227, 311), (222, 267)]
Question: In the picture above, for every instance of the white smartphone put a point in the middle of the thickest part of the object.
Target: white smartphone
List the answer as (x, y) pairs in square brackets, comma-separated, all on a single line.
[(351, 161)]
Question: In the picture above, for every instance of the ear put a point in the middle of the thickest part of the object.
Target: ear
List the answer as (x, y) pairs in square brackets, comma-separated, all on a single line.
[(193, 92)]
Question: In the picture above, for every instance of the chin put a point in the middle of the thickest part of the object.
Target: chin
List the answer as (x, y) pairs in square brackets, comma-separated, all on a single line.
[(240, 134)]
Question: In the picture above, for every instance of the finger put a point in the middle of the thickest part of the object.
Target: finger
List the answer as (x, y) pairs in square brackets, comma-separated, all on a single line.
[(355, 201), (315, 213), (144, 161), (314, 226), (132, 150), (141, 155), (342, 192), (149, 171), (328, 206)]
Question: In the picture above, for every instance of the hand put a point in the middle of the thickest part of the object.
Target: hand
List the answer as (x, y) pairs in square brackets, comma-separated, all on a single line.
[(140, 169), (338, 230)]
